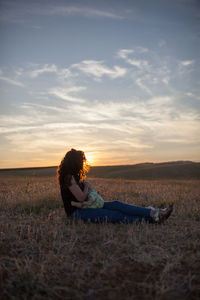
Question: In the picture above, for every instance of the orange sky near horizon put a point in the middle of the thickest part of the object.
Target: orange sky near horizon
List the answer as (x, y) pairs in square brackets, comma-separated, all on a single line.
[(93, 159)]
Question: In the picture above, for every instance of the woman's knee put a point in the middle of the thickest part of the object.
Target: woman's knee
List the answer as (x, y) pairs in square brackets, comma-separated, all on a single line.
[(116, 202)]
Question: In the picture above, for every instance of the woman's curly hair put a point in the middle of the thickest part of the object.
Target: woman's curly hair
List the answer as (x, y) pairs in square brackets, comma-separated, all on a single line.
[(73, 164)]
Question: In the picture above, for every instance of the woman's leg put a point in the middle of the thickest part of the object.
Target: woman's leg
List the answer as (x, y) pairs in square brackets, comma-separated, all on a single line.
[(128, 209), (100, 215)]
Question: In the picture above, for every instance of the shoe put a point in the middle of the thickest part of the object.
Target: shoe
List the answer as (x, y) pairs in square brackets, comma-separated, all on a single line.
[(162, 214)]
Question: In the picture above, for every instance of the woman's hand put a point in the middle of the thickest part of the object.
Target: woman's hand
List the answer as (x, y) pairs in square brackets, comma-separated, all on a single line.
[(81, 204), (88, 202), (77, 204)]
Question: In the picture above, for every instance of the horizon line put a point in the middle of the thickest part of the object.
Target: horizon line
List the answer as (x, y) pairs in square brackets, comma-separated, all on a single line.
[(92, 166)]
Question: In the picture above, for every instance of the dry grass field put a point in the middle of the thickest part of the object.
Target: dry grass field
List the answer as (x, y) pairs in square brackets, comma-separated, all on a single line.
[(45, 256)]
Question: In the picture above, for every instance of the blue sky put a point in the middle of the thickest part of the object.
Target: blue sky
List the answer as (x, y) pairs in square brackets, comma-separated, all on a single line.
[(117, 79)]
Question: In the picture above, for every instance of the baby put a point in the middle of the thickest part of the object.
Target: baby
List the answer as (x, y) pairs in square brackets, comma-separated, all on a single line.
[(93, 200)]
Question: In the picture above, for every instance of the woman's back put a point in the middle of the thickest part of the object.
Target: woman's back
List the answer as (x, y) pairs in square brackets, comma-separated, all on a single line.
[(67, 197)]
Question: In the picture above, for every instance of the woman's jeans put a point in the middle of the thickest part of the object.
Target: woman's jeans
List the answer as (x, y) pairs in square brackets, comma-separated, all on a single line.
[(113, 212)]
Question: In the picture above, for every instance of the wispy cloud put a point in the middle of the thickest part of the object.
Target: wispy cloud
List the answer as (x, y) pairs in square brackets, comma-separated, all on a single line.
[(193, 95), (98, 69), (124, 54), (143, 121), (40, 107), (12, 11), (185, 66), (185, 63), (142, 86), (10, 81), (166, 80), (35, 70), (100, 127), (65, 93), (160, 101), (45, 69), (147, 69), (82, 11)]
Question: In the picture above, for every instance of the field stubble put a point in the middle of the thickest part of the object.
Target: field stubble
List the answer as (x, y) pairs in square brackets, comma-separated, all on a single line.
[(45, 256)]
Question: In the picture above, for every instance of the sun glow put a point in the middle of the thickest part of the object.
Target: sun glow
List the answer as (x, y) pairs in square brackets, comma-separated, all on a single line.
[(91, 159)]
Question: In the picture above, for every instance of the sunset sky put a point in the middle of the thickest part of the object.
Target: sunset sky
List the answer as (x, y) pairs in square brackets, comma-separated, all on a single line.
[(116, 79)]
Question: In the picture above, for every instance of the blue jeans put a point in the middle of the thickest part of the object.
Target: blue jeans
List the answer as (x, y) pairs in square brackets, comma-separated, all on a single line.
[(113, 212)]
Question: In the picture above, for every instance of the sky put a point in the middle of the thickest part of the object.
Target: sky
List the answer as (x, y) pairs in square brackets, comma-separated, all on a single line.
[(116, 79)]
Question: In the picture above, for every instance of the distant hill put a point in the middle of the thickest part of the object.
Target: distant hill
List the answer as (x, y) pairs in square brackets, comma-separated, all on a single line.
[(165, 170), (149, 171), (29, 172)]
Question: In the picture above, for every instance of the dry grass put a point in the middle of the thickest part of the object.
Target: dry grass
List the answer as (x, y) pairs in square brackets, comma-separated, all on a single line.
[(44, 256)]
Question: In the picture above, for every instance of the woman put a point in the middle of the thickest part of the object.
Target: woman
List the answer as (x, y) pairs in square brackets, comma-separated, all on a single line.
[(74, 192)]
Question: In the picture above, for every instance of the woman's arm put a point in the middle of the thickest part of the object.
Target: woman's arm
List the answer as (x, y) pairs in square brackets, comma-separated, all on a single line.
[(84, 203), (77, 192), (77, 204)]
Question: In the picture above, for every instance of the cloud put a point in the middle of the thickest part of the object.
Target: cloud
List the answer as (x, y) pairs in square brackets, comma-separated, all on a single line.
[(81, 11), (31, 106), (35, 70), (139, 63), (185, 63), (7, 120), (65, 93), (131, 124), (123, 130), (123, 53), (148, 70), (142, 86), (189, 94), (185, 67), (12, 81), (17, 12), (166, 80), (4, 130), (193, 95), (66, 73), (160, 101), (97, 69), (45, 69)]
